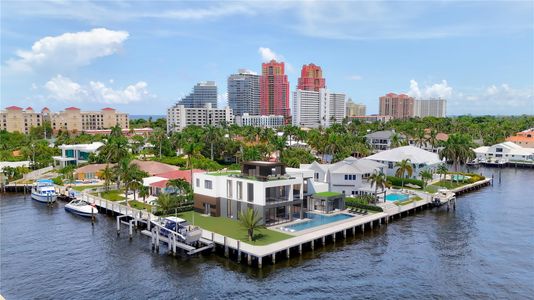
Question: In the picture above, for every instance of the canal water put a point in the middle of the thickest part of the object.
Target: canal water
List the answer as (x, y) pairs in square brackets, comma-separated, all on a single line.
[(485, 249)]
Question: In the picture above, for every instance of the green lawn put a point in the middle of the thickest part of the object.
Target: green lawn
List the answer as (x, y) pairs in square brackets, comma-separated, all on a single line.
[(224, 173), (326, 194), (140, 205), (444, 184), (84, 187), (112, 195), (233, 229)]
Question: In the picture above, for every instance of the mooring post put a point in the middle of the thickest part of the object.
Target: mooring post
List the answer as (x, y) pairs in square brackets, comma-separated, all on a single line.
[(312, 244), (215, 245), (130, 232), (324, 240), (344, 233), (259, 262), (362, 228), (238, 250), (118, 226), (288, 252), (354, 230), (174, 245), (273, 258), (371, 224), (300, 249), (334, 237), (225, 248), (249, 259), (157, 239)]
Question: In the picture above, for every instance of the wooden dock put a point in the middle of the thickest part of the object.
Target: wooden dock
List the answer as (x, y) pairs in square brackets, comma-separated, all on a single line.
[(258, 255)]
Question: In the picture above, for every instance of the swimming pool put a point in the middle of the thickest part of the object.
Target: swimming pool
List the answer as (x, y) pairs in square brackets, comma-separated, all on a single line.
[(315, 220), (457, 177), (396, 197)]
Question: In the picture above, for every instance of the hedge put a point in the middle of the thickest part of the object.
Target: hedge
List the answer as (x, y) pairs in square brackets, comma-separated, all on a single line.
[(473, 176), (397, 181), (174, 210), (358, 204)]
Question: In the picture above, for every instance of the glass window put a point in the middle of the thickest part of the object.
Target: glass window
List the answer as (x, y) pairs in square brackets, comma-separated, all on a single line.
[(208, 184), (239, 190), (250, 192), (229, 189)]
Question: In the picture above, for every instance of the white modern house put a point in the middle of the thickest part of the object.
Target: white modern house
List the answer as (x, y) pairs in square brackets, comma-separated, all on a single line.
[(381, 140), (420, 159), (276, 194), (348, 176), (76, 154), (504, 152)]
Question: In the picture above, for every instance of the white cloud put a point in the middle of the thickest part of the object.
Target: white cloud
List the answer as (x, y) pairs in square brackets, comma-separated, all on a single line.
[(68, 50), (501, 99), (355, 77), (267, 55), (64, 89), (436, 90)]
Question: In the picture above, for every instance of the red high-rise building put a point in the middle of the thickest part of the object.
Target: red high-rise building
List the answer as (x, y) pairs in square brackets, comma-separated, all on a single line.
[(274, 90), (311, 78)]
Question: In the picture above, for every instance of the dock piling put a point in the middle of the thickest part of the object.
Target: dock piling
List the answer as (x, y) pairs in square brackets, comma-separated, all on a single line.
[(273, 258)]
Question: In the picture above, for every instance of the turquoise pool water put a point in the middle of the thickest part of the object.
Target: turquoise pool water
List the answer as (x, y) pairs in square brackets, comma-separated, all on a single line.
[(457, 177), (316, 220), (396, 197)]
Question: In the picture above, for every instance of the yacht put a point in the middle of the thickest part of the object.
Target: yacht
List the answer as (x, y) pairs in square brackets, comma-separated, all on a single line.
[(81, 208), (43, 191)]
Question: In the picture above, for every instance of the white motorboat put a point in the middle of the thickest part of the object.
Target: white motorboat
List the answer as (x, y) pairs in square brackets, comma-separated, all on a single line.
[(81, 208), (43, 191)]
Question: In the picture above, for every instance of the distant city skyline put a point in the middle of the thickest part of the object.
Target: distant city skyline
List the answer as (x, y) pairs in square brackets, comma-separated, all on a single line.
[(142, 57)]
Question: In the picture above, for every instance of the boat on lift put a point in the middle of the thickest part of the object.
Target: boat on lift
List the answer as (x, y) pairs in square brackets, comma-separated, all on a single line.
[(43, 191), (443, 196)]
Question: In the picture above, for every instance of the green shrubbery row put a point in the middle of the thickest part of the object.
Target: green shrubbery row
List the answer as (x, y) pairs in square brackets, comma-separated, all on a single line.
[(473, 177), (397, 181), (180, 209), (354, 202)]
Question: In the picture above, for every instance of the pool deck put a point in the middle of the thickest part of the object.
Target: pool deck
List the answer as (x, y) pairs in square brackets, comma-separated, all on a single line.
[(329, 232)]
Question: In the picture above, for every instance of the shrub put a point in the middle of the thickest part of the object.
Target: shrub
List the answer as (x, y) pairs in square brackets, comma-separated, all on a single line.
[(358, 204), (57, 180), (172, 211), (397, 181)]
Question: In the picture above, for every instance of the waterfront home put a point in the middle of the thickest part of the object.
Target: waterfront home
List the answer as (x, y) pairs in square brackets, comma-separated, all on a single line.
[(524, 138), (157, 184), (76, 154), (504, 152), (278, 195), (92, 171), (153, 168), (381, 140), (420, 159), (348, 176)]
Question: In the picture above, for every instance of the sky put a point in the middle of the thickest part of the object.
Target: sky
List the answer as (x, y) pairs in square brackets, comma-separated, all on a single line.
[(142, 56)]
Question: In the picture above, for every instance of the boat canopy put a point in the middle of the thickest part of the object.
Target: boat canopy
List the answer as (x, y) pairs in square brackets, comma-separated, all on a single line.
[(44, 181)]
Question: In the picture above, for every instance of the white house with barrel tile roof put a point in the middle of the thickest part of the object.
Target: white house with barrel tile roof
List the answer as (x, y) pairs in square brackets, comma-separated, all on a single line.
[(420, 159), (348, 176)]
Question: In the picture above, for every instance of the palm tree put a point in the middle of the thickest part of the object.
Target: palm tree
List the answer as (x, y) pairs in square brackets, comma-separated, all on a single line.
[(396, 140), (212, 135), (426, 175), (106, 174), (143, 192), (379, 180), (68, 173), (158, 137), (251, 220), (181, 187), (404, 166), (122, 170), (442, 170), (134, 184), (432, 139), (458, 150), (165, 202)]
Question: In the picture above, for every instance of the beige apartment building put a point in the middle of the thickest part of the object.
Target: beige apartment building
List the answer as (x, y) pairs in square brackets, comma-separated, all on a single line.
[(17, 119), (397, 106), (14, 118), (355, 109)]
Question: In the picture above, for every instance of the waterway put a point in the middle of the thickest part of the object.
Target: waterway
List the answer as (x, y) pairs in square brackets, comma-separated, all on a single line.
[(485, 249)]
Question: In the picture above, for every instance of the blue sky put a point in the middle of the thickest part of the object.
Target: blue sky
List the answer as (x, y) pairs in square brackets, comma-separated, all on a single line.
[(141, 57)]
